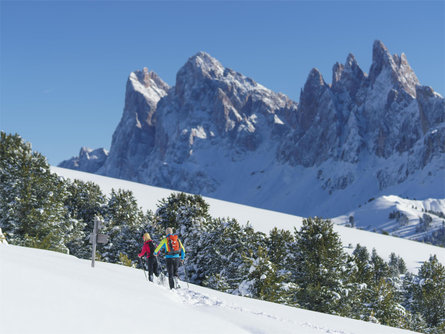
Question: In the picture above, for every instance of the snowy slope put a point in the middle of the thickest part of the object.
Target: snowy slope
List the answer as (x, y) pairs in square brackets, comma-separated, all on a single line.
[(414, 253), (47, 292), (398, 216)]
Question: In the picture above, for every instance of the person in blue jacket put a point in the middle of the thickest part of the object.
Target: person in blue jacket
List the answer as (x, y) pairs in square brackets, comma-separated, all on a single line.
[(174, 253)]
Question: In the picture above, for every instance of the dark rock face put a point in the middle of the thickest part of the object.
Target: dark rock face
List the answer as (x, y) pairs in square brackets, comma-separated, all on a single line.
[(216, 129)]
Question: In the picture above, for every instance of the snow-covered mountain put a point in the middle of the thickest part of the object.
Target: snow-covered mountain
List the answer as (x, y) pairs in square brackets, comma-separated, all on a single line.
[(88, 160), (58, 293), (221, 134)]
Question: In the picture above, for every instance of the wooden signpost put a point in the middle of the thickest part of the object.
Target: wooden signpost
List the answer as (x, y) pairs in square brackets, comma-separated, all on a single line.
[(97, 237)]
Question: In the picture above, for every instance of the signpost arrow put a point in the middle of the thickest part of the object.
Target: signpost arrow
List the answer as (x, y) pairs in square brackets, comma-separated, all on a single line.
[(102, 238)]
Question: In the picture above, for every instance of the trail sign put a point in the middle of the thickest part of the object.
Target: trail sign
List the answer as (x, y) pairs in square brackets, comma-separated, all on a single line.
[(97, 237), (102, 238)]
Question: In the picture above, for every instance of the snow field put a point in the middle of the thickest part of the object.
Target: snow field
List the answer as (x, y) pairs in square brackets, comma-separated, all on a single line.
[(49, 292)]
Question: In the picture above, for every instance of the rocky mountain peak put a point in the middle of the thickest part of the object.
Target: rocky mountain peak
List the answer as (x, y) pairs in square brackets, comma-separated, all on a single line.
[(195, 72), (380, 53), (148, 84), (351, 62), (314, 79), (89, 160), (202, 63), (347, 77), (337, 71), (393, 68), (147, 79), (310, 97)]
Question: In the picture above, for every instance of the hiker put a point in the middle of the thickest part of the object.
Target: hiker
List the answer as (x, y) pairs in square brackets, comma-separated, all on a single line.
[(173, 248), (148, 249)]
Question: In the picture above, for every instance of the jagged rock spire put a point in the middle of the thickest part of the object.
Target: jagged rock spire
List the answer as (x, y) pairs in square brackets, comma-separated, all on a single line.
[(395, 69), (347, 77)]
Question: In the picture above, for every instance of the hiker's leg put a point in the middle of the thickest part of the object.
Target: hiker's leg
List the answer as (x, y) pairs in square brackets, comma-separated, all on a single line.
[(176, 267), (151, 262), (170, 270)]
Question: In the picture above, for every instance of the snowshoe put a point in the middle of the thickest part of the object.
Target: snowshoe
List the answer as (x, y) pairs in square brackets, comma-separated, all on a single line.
[(177, 286)]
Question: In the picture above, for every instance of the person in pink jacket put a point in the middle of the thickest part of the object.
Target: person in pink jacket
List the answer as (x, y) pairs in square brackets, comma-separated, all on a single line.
[(149, 248)]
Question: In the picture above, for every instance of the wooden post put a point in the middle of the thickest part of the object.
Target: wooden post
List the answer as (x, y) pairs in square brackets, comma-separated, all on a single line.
[(94, 237)]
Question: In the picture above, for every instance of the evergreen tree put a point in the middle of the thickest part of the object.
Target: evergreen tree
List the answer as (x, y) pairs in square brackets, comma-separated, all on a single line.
[(182, 211), (396, 265), (377, 296), (124, 226), (380, 269), (222, 247), (84, 201), (217, 282), (382, 305), (364, 273), (320, 262), (280, 245), (428, 293), (264, 281), (31, 198)]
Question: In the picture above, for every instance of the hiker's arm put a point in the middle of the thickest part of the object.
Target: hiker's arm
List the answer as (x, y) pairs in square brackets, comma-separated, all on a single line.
[(160, 246), (143, 251), (182, 250)]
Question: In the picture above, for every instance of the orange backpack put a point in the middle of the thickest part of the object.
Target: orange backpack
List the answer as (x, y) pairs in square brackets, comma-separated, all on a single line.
[(173, 245)]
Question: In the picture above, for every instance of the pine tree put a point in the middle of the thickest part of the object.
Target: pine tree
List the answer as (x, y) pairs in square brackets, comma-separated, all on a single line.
[(380, 269), (376, 295), (221, 249), (281, 244), (320, 262), (382, 304), (264, 281), (85, 200), (182, 211), (396, 265), (428, 292), (31, 198), (361, 258), (124, 226)]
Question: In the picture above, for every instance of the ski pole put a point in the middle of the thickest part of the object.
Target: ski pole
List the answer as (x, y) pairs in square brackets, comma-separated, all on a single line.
[(143, 268)]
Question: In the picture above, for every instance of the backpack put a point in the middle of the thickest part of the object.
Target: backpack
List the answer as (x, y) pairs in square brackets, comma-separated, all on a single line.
[(152, 246), (173, 245)]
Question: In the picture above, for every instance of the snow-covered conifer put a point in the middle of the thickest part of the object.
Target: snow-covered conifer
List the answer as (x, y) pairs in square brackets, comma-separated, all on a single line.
[(31, 197), (124, 226), (428, 293), (320, 261)]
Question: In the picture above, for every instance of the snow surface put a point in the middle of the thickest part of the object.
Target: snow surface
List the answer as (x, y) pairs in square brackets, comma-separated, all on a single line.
[(376, 215), (48, 292), (414, 253)]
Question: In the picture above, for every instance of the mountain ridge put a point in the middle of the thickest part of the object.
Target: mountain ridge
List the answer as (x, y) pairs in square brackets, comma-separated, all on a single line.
[(219, 133)]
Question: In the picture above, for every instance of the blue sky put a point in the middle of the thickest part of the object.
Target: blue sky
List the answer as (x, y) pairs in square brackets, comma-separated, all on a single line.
[(64, 65)]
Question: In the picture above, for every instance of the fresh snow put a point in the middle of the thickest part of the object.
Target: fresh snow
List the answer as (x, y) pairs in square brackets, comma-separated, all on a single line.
[(376, 215), (414, 253), (48, 292)]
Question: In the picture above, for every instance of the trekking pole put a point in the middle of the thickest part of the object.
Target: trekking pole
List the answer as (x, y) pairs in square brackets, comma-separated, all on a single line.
[(143, 268)]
